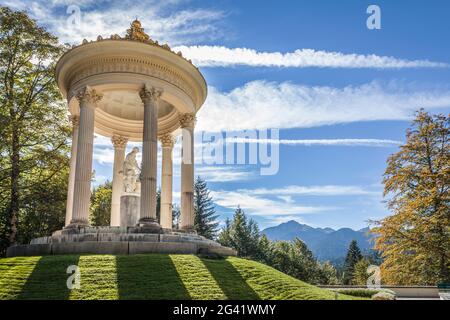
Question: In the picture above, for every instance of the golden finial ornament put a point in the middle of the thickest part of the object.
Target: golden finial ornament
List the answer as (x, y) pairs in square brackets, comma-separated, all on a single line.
[(136, 32)]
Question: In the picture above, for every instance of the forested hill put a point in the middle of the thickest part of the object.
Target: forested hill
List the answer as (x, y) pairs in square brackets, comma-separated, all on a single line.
[(325, 243)]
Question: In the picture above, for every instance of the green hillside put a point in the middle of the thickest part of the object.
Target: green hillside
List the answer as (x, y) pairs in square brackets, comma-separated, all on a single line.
[(153, 276)]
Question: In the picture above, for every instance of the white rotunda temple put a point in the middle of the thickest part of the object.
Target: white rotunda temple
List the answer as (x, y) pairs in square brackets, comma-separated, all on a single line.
[(129, 89)]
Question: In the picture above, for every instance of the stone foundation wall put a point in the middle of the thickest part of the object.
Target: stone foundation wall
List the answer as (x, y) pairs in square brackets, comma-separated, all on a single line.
[(118, 240)]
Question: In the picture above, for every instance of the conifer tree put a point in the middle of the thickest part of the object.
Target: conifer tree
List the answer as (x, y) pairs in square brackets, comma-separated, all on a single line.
[(205, 222), (352, 258), (225, 234)]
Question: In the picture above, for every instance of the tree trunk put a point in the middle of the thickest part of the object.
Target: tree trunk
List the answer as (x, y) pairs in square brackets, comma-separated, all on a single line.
[(15, 173)]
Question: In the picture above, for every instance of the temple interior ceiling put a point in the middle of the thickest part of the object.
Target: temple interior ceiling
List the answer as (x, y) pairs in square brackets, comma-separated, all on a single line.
[(128, 105)]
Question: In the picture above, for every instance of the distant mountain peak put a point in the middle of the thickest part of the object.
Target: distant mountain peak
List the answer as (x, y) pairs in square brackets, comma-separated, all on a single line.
[(295, 223), (325, 243)]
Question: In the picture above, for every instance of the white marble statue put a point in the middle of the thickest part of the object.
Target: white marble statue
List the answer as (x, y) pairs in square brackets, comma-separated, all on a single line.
[(131, 172)]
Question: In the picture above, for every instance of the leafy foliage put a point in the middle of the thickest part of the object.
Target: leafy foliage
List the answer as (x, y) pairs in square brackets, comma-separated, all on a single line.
[(176, 213), (415, 240), (360, 274), (100, 209), (33, 127)]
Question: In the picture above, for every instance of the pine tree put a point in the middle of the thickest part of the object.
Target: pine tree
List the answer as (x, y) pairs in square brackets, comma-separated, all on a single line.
[(352, 258), (205, 221), (306, 266), (225, 234), (240, 233), (265, 250)]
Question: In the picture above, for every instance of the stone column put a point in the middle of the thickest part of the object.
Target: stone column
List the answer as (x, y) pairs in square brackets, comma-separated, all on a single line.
[(73, 160), (167, 143), (88, 99), (150, 97), (119, 144), (187, 122)]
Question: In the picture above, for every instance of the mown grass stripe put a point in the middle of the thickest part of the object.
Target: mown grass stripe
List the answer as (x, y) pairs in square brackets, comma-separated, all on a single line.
[(150, 276)]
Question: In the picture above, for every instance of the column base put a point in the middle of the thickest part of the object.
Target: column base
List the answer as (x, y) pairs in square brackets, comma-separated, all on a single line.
[(147, 225), (77, 224), (187, 229), (74, 226)]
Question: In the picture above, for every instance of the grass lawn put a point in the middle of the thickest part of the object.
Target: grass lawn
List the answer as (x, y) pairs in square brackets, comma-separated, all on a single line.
[(150, 276)]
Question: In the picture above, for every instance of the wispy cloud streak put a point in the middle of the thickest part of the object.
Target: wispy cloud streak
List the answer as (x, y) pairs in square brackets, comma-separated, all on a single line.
[(322, 142), (219, 56), (262, 104)]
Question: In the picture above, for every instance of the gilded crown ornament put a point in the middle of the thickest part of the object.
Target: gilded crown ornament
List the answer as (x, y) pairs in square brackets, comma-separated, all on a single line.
[(136, 32)]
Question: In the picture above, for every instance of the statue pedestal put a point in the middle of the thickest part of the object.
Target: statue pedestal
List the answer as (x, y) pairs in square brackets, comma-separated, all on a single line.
[(129, 210)]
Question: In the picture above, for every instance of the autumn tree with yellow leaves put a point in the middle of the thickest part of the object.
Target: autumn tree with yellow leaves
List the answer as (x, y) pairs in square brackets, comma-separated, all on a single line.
[(415, 239)]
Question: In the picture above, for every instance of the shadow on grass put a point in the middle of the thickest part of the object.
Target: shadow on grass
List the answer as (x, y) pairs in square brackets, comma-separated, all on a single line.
[(230, 280), (48, 280), (151, 277)]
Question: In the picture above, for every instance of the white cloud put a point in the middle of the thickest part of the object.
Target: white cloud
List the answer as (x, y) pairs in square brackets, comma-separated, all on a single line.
[(99, 179), (280, 205), (326, 190), (223, 173), (262, 104), (219, 56), (104, 156), (162, 20), (260, 206), (322, 142)]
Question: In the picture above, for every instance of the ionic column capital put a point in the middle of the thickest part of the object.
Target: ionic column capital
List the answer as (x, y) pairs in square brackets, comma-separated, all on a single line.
[(187, 120), (75, 120), (167, 140), (148, 93), (89, 95), (119, 142)]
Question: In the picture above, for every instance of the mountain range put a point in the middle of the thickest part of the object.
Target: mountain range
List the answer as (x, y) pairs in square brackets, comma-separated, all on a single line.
[(325, 243)]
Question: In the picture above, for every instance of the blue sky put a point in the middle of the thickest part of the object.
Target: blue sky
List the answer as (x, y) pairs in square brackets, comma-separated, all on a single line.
[(354, 83)]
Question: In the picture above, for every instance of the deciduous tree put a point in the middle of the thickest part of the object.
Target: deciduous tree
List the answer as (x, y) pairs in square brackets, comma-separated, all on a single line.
[(415, 239), (33, 120), (100, 209)]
